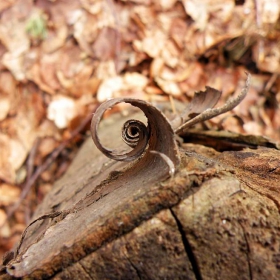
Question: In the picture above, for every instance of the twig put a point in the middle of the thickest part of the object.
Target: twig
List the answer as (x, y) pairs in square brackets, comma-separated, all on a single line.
[(270, 82), (211, 113), (173, 107), (31, 157), (30, 170)]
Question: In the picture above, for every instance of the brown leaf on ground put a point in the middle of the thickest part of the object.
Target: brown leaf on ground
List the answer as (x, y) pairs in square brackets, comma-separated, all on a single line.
[(12, 157), (8, 194)]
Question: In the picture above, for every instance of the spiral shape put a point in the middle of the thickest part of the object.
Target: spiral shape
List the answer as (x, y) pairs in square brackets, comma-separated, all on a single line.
[(134, 133), (157, 140)]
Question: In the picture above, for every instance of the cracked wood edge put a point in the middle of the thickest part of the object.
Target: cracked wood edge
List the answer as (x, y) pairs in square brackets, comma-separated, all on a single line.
[(124, 258), (199, 238)]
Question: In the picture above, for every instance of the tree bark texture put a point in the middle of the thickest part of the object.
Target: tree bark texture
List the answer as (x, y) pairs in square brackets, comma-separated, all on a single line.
[(217, 218)]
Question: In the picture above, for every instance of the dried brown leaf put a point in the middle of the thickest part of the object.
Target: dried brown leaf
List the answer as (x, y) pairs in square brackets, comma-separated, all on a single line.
[(5, 106), (211, 113), (13, 154), (104, 46), (158, 134), (62, 110), (55, 40), (6, 4), (8, 194)]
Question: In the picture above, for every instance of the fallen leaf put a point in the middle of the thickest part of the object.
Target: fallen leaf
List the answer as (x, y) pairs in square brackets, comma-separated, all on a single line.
[(46, 146), (62, 110), (108, 87), (104, 46), (5, 230), (48, 70), (9, 194), (266, 53), (268, 11), (169, 86), (4, 107), (6, 4), (134, 81), (12, 157)]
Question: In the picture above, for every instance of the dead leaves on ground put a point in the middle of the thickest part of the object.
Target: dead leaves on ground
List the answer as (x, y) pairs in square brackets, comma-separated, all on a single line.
[(58, 58)]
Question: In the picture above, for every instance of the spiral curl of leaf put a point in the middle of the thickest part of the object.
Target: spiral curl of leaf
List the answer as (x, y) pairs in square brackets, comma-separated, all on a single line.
[(158, 135), (133, 132)]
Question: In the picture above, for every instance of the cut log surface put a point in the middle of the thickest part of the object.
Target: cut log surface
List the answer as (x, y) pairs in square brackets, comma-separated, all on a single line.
[(217, 218)]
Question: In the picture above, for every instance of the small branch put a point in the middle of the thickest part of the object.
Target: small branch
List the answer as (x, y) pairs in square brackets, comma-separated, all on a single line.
[(30, 160), (211, 113), (30, 170)]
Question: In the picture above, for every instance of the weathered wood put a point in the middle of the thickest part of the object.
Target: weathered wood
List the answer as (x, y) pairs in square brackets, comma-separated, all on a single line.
[(218, 218)]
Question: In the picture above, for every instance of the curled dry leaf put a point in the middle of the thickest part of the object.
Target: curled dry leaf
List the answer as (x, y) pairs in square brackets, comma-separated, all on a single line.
[(201, 101), (61, 110), (208, 113), (157, 136), (8, 194)]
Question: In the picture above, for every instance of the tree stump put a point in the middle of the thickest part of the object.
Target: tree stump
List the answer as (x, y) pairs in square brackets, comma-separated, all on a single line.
[(217, 218)]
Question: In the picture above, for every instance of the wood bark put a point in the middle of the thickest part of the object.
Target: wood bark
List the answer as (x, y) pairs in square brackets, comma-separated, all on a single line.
[(217, 218)]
